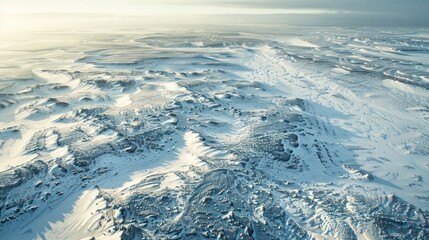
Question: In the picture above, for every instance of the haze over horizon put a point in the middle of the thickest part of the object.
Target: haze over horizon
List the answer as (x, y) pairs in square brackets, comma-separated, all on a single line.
[(17, 13)]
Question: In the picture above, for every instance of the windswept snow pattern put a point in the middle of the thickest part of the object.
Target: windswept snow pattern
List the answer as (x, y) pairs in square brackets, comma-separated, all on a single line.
[(175, 134)]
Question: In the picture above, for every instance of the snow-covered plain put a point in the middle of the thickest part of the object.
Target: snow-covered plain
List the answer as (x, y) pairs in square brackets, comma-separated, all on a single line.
[(280, 133)]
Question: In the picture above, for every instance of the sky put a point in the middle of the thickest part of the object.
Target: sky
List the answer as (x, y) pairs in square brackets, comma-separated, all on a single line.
[(393, 12), (147, 7), (151, 7)]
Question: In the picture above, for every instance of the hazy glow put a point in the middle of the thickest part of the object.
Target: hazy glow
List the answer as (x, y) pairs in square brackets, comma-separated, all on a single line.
[(18, 15), (143, 7), (147, 7), (30, 15)]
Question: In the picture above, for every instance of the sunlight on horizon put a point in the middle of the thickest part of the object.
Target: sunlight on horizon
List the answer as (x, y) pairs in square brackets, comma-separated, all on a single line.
[(30, 16), (144, 8), (27, 16)]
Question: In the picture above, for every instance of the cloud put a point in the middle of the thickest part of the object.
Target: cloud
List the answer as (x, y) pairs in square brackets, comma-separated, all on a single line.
[(402, 7)]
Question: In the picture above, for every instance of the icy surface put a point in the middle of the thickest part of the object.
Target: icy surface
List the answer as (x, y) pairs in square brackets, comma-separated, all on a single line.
[(165, 134)]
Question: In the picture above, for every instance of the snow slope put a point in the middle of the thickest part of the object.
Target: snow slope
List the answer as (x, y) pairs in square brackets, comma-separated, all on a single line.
[(284, 134)]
